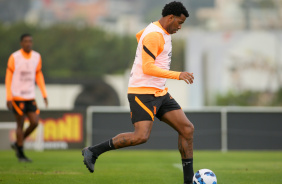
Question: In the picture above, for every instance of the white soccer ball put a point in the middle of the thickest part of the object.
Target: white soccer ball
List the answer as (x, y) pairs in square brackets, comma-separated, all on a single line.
[(204, 176)]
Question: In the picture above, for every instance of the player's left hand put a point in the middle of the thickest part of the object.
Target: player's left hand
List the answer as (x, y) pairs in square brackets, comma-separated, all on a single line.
[(187, 77), (46, 102)]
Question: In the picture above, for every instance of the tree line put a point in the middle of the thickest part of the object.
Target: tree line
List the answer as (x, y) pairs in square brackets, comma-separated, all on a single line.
[(81, 53)]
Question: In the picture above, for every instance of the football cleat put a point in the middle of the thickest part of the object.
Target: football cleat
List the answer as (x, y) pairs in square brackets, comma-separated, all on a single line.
[(24, 159), (89, 159), (15, 148)]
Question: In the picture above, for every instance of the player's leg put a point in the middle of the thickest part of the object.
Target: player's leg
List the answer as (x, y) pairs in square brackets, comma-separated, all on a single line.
[(140, 135), (142, 117), (22, 135), (18, 110), (178, 120), (19, 145), (19, 130), (33, 118)]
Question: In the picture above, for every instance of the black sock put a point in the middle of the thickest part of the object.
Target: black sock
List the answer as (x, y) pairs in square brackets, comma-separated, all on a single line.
[(20, 151), (188, 171), (102, 147)]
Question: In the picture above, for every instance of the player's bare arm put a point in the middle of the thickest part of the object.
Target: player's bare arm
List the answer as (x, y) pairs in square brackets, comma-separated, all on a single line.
[(187, 77)]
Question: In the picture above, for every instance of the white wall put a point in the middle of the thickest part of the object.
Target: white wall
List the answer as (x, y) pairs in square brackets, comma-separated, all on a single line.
[(59, 96)]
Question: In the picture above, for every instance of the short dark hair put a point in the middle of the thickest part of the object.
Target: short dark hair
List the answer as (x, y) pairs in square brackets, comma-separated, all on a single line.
[(174, 8), (24, 35)]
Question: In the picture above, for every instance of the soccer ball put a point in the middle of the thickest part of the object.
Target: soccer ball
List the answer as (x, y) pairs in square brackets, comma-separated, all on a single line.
[(204, 176)]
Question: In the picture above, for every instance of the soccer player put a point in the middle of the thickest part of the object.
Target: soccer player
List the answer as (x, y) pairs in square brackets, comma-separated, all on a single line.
[(147, 94), (24, 68)]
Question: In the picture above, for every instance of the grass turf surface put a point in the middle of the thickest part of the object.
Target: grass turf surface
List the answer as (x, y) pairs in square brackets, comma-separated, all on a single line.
[(140, 167)]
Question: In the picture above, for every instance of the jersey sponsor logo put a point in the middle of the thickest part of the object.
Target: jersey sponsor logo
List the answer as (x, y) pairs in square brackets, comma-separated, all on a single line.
[(25, 73), (25, 92), (26, 76)]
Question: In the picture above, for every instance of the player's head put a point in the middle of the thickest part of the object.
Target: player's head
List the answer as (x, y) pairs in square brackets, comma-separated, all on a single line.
[(175, 15), (26, 42)]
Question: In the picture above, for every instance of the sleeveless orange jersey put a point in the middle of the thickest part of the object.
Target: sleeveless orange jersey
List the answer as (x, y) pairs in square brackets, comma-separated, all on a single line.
[(152, 62), (22, 72)]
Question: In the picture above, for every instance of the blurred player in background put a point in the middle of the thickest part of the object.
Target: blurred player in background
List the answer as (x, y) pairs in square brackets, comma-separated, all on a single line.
[(147, 94), (23, 70)]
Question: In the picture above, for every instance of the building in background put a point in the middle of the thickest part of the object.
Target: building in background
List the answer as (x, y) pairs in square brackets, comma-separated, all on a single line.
[(78, 12), (130, 15), (13, 10)]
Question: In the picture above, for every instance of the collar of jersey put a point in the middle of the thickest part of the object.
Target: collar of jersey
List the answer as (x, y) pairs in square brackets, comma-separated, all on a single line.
[(157, 23)]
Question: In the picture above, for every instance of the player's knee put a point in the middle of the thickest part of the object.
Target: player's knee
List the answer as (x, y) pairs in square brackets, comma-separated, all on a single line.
[(34, 124), (188, 131), (142, 139), (191, 128)]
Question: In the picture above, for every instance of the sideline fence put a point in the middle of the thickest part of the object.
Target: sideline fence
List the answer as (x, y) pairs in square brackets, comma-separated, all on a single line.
[(224, 128)]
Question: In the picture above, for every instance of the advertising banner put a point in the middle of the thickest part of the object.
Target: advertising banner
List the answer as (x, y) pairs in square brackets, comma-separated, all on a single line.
[(56, 130)]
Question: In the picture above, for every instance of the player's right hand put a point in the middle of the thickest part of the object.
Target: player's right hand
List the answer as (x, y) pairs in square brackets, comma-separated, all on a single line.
[(46, 102), (187, 77), (9, 105)]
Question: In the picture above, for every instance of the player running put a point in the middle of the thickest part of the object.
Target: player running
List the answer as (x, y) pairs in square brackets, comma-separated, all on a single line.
[(24, 68), (147, 94)]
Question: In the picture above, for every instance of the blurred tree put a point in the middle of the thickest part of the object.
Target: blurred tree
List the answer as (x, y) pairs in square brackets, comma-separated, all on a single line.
[(178, 55), (85, 53), (246, 98), (277, 101), (250, 98)]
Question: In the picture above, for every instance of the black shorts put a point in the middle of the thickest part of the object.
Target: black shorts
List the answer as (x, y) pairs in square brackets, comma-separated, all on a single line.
[(147, 106), (22, 107)]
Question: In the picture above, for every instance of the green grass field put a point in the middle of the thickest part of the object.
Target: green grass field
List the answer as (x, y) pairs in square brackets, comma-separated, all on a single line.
[(140, 167)]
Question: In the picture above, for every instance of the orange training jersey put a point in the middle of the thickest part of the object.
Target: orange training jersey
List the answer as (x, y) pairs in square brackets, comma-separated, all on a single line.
[(22, 72), (152, 62)]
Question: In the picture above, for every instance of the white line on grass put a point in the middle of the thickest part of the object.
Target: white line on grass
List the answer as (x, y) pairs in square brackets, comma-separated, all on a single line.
[(178, 166)]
